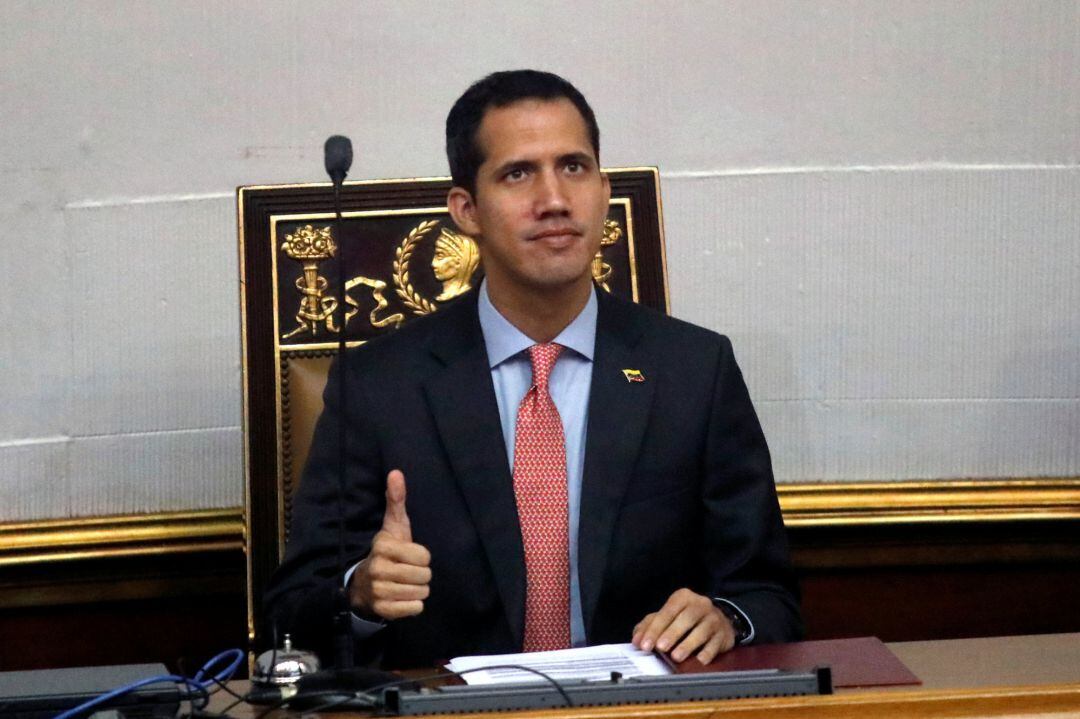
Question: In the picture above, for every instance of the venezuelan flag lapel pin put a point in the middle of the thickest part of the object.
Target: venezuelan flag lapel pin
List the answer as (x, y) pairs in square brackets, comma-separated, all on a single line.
[(633, 375)]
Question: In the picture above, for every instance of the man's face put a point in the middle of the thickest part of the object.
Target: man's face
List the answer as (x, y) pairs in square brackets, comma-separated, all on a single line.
[(540, 201)]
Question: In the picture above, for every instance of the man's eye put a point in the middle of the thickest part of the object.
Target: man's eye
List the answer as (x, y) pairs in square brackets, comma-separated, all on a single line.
[(574, 167), (515, 175)]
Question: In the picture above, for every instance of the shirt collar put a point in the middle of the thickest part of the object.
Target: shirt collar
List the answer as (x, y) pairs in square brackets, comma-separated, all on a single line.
[(503, 340)]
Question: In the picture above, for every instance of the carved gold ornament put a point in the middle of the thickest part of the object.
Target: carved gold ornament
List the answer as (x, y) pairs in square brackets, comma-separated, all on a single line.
[(455, 261), (601, 271), (456, 258), (377, 287), (310, 247), (402, 257)]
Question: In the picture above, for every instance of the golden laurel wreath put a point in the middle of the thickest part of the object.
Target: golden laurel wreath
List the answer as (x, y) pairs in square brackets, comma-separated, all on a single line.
[(402, 256)]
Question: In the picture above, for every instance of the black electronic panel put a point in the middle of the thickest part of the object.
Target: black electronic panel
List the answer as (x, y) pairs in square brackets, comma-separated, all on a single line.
[(636, 690), (44, 693)]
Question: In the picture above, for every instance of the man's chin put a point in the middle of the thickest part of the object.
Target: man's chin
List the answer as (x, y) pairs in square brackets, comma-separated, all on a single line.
[(556, 282)]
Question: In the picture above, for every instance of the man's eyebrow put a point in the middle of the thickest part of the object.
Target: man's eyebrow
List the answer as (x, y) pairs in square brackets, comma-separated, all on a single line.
[(582, 158), (514, 165)]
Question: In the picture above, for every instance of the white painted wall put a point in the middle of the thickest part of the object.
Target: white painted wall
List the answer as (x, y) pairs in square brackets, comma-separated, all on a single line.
[(877, 200)]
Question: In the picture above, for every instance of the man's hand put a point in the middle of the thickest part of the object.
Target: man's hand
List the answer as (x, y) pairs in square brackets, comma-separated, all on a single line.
[(692, 618), (392, 582)]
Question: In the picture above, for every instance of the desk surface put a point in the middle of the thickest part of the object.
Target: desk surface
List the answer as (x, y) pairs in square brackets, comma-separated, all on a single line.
[(1030, 676), (993, 661)]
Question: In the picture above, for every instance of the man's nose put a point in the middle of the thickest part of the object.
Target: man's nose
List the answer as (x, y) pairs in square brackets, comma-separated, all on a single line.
[(551, 195)]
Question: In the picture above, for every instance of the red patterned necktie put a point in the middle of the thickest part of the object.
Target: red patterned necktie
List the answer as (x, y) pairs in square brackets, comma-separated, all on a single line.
[(540, 491)]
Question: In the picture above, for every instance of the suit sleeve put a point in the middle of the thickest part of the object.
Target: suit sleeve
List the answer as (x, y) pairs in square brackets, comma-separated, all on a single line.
[(746, 547), (303, 595)]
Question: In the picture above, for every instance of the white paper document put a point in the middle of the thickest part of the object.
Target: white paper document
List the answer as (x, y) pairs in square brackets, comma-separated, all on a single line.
[(587, 663)]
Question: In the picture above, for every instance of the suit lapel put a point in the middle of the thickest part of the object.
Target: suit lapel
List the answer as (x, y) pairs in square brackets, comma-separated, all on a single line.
[(618, 416), (462, 401)]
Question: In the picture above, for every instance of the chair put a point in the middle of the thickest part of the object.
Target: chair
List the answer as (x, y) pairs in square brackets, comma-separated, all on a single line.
[(403, 257)]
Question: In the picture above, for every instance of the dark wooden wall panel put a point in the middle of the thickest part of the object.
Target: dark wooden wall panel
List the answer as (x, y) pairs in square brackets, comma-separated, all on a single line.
[(177, 609), (942, 602), (939, 581)]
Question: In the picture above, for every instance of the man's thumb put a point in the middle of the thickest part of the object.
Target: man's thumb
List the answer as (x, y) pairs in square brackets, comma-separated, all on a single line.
[(396, 520)]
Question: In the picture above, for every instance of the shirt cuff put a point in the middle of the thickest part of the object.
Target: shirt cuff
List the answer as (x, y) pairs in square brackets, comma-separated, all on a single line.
[(362, 628), (728, 603)]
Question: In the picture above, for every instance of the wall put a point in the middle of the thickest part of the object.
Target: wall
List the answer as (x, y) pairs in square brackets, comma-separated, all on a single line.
[(876, 200)]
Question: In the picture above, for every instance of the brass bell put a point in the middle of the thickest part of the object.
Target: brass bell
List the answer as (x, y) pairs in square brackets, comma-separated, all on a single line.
[(277, 667)]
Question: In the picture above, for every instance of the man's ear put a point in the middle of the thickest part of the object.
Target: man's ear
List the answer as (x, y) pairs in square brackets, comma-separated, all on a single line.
[(607, 188), (463, 209)]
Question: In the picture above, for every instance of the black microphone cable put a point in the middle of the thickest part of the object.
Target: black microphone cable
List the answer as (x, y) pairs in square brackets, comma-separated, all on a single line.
[(372, 697), (337, 158)]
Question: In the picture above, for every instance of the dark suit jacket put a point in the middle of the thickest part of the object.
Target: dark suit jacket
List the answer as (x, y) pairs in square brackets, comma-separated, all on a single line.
[(677, 488)]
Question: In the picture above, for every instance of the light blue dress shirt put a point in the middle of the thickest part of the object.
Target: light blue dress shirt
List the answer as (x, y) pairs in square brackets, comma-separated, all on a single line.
[(569, 384)]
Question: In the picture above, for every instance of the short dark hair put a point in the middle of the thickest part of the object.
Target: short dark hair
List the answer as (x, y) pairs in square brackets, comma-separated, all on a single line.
[(500, 89)]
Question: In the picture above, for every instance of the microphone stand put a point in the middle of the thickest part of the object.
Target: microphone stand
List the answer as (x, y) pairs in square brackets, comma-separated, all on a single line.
[(334, 688), (338, 158)]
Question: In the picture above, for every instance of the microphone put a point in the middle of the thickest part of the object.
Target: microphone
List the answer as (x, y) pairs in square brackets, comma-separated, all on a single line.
[(337, 157)]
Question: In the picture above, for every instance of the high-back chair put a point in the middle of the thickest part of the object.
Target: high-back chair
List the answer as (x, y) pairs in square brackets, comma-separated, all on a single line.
[(403, 258)]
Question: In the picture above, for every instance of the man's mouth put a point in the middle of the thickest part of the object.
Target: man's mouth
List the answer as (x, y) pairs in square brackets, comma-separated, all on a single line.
[(557, 234)]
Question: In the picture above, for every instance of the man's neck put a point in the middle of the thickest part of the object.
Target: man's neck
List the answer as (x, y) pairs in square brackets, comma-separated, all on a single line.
[(541, 316)]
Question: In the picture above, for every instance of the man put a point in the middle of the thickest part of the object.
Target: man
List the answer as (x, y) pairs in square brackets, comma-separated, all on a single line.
[(539, 464)]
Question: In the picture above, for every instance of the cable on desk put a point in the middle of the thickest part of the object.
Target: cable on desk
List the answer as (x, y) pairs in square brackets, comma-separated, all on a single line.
[(339, 697), (197, 684), (225, 674), (461, 675), (371, 697), (221, 686)]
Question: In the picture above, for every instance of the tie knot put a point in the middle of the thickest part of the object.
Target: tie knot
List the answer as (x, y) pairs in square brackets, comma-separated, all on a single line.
[(543, 358)]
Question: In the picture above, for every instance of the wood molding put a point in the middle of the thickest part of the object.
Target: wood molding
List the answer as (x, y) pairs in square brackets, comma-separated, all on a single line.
[(1028, 701), (64, 540), (938, 501), (1050, 700)]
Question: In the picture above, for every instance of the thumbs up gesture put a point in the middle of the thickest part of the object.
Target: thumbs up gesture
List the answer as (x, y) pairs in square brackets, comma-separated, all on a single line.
[(392, 582)]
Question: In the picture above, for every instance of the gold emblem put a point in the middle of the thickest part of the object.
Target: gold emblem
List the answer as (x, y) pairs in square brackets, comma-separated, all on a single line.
[(601, 271), (377, 287), (456, 259), (402, 257), (633, 375), (309, 247)]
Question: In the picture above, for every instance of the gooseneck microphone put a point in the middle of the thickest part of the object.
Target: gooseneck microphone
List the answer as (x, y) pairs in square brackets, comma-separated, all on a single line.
[(337, 158)]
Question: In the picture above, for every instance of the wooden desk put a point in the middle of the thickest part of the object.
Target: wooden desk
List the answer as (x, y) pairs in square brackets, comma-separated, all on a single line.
[(993, 661), (1017, 677)]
